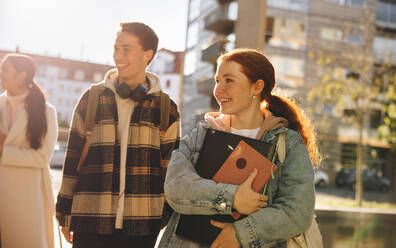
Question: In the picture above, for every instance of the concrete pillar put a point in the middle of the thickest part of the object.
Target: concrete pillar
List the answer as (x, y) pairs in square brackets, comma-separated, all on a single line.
[(251, 24)]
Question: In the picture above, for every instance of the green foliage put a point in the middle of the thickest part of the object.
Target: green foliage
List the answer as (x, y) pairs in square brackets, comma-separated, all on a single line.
[(388, 129)]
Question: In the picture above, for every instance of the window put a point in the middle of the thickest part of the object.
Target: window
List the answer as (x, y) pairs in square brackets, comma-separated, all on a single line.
[(50, 93), (231, 42), (169, 66), (348, 154), (79, 75), (384, 48), (382, 11), (355, 3), (49, 71), (355, 39), (331, 34), (287, 33), (190, 62), (63, 73), (386, 12), (194, 9), (375, 118), (78, 90), (97, 77), (349, 112), (349, 3), (233, 11), (192, 37), (289, 72), (297, 5), (393, 13)]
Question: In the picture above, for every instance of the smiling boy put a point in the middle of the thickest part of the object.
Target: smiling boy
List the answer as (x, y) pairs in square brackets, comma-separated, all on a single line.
[(116, 198)]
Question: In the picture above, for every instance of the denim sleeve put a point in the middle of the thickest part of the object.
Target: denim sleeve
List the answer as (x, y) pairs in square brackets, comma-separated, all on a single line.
[(186, 191), (292, 210)]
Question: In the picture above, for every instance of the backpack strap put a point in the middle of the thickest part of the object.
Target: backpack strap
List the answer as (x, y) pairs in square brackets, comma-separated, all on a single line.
[(165, 108), (93, 98), (281, 147), (281, 151)]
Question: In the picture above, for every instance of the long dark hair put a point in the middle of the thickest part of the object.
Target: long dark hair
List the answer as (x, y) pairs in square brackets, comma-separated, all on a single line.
[(256, 66), (35, 100)]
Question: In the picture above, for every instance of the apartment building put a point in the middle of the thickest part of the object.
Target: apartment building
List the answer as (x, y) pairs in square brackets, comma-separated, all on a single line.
[(168, 66), (289, 32)]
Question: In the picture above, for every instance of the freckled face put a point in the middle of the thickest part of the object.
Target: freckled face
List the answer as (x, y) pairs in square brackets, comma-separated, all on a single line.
[(233, 90)]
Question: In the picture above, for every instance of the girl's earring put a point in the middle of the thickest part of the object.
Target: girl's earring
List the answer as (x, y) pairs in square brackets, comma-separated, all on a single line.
[(254, 97)]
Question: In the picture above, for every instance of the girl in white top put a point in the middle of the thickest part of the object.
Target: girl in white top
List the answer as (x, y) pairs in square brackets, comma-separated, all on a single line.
[(28, 132)]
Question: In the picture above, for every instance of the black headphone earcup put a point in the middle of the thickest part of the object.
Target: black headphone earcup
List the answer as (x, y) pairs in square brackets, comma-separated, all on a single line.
[(139, 94), (123, 90)]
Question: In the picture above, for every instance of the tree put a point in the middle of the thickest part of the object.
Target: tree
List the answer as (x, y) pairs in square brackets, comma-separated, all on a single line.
[(388, 129), (346, 83)]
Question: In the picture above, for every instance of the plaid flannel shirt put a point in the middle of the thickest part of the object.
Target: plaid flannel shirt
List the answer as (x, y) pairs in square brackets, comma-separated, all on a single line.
[(87, 201)]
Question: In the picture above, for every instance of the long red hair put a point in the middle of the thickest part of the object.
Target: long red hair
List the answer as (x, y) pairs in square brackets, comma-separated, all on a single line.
[(256, 66)]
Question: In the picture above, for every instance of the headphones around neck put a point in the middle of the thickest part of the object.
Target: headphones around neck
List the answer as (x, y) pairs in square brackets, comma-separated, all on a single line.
[(138, 94)]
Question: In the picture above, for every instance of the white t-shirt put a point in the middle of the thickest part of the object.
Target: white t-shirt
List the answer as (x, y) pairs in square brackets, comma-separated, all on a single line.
[(250, 133)]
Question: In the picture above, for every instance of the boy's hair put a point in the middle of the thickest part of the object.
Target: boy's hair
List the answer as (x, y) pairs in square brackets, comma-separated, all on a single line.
[(147, 37)]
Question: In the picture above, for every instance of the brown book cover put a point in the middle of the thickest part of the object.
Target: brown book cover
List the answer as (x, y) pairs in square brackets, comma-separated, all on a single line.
[(241, 163), (214, 154), (238, 166)]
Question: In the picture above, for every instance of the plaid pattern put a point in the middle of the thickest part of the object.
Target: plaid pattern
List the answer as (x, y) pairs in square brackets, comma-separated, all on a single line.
[(87, 201)]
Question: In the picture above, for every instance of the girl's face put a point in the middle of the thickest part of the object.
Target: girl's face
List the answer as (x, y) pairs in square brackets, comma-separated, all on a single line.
[(233, 90), (11, 80)]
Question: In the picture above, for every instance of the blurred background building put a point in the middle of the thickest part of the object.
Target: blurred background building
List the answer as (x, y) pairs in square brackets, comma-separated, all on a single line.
[(64, 80), (167, 65), (291, 32)]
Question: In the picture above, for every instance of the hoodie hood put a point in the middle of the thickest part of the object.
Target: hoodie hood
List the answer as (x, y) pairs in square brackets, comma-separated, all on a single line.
[(219, 121), (111, 77)]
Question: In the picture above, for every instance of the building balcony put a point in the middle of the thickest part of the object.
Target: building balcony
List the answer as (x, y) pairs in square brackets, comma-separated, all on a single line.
[(220, 20), (301, 5), (205, 86), (213, 51)]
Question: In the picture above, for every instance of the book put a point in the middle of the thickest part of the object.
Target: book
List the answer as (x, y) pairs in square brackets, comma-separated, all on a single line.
[(227, 158)]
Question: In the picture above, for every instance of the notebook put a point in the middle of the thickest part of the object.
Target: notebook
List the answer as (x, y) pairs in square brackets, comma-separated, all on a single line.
[(226, 158)]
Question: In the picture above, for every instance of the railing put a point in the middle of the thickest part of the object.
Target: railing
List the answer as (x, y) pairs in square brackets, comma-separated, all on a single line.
[(296, 5), (221, 20)]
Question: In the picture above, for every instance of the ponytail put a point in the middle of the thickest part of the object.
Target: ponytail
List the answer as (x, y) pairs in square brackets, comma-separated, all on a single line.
[(37, 120), (298, 121)]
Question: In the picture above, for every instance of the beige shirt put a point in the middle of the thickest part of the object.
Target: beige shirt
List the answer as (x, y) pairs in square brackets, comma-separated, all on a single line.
[(125, 109)]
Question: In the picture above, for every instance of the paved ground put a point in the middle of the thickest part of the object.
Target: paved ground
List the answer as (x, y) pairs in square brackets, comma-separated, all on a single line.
[(334, 193)]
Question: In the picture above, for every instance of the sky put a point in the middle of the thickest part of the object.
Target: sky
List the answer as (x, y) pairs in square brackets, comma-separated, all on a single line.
[(85, 29)]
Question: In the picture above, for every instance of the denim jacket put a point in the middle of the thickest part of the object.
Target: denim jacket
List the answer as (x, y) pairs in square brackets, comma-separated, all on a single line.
[(291, 194)]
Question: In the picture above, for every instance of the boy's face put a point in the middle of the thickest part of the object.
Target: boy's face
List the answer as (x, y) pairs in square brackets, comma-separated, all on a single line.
[(129, 57)]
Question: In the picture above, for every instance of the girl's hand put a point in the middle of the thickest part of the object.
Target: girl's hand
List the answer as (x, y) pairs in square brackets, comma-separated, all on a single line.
[(226, 238), (67, 234), (246, 201)]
